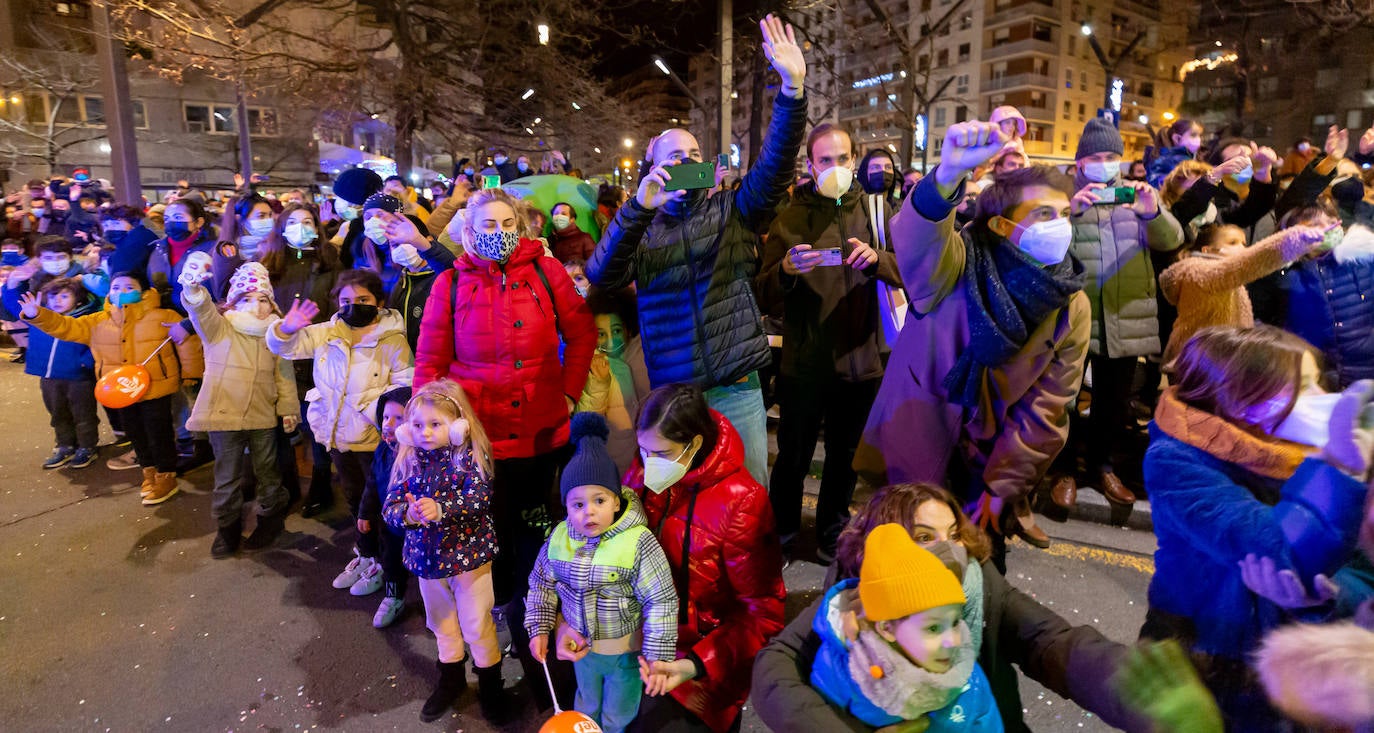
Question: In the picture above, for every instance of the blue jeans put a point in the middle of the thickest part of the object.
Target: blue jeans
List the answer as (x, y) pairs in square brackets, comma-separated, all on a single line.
[(608, 689), (742, 404)]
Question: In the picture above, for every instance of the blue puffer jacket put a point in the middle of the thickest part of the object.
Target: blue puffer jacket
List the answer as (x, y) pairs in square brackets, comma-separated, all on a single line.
[(56, 359), (975, 710), (693, 268), (1328, 301)]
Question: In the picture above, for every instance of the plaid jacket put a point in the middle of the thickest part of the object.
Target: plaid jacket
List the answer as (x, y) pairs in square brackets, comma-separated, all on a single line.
[(608, 586)]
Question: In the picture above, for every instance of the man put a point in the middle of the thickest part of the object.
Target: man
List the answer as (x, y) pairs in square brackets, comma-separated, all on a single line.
[(832, 343), (396, 186), (989, 365), (692, 260), (566, 239), (1113, 241), (505, 167)]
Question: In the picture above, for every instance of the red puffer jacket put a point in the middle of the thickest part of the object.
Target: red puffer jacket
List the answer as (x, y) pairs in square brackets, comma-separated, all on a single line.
[(731, 595), (504, 347)]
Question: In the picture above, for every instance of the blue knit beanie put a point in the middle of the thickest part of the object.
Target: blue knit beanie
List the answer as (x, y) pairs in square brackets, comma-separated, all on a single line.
[(1099, 136), (591, 465)]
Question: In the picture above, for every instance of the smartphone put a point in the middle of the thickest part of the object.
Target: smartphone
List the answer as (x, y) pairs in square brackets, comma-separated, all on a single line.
[(830, 257), (491, 182), (1114, 196), (691, 176), (722, 161)]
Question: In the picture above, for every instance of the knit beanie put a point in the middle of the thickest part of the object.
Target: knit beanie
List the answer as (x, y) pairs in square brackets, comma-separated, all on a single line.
[(1099, 136), (356, 184), (591, 465), (250, 277), (399, 395), (383, 201), (899, 577)]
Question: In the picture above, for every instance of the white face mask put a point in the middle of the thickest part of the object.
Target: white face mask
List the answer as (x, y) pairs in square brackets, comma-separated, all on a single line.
[(1245, 175), (56, 267), (561, 222), (1309, 422), (299, 235), (661, 473), (1100, 172), (375, 230), (259, 227), (408, 257), (1047, 242), (834, 181)]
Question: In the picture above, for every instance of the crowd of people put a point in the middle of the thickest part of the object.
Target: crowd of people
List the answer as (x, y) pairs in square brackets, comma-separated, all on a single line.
[(558, 419)]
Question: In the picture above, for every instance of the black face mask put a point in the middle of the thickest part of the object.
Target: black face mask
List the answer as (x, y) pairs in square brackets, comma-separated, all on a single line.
[(357, 315), (1348, 192), (880, 181), (681, 208), (58, 215), (116, 236)]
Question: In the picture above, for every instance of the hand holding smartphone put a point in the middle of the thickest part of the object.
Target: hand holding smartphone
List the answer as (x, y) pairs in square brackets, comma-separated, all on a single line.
[(830, 257)]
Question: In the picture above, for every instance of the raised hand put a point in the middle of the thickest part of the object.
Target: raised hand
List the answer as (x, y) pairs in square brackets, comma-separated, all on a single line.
[(399, 228), (651, 194), (781, 49), (1158, 681), (1337, 142), (967, 146), (1282, 587), (28, 303), (302, 314), (1229, 168), (1351, 443), (1085, 198), (1146, 203)]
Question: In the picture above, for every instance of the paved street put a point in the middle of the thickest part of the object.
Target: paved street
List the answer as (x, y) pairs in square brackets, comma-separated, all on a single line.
[(114, 617)]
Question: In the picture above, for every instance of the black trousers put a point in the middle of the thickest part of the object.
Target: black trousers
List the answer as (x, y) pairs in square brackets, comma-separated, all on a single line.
[(1112, 382), (395, 577), (355, 473), (665, 714), (149, 426), (805, 405), (525, 507), (71, 405)]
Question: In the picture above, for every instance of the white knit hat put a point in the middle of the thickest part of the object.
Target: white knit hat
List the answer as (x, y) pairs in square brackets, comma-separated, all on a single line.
[(249, 278)]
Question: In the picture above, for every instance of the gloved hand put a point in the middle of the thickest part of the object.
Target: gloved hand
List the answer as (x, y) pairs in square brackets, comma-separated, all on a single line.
[(198, 268), (1158, 682)]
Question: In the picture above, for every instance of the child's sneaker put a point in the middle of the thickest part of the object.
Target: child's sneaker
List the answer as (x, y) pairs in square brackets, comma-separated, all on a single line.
[(370, 581), (61, 455), (164, 487), (123, 462), (82, 458), (352, 571), (388, 612)]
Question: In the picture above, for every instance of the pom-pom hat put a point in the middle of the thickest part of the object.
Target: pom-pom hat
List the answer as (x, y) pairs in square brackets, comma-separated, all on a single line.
[(591, 465)]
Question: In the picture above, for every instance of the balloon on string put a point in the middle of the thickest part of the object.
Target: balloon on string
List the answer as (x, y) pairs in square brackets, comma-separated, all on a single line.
[(570, 721), (123, 386)]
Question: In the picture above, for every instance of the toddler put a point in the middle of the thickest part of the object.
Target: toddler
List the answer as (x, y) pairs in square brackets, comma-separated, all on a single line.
[(66, 377), (894, 646), (391, 408), (441, 498), (606, 572)]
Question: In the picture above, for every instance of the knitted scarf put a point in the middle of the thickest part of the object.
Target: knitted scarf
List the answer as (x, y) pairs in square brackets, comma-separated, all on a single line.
[(902, 689), (1009, 295)]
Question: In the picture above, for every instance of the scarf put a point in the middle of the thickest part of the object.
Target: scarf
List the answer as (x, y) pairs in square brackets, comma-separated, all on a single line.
[(1009, 295), (905, 690), (177, 248), (1261, 455), (249, 324)]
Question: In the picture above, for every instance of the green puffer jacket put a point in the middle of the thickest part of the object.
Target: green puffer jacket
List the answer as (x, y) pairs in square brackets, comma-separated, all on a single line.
[(1113, 244)]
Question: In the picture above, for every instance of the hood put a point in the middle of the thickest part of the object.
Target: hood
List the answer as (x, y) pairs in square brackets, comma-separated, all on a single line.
[(829, 623), (1358, 245), (389, 323), (727, 459), (526, 252), (632, 516)]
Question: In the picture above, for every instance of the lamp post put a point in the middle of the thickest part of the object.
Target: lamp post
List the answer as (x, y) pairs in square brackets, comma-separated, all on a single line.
[(668, 72), (1111, 98)]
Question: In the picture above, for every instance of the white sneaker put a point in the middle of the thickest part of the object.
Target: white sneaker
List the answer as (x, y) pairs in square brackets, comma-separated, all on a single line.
[(352, 571), (370, 581), (388, 612), (123, 462)]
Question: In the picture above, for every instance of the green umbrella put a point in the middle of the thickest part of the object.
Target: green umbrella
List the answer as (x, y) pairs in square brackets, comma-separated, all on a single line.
[(543, 192)]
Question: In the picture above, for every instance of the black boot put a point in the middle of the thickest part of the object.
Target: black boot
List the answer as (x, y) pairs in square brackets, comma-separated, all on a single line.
[(227, 540), (268, 530), (491, 694), (321, 496), (452, 681)]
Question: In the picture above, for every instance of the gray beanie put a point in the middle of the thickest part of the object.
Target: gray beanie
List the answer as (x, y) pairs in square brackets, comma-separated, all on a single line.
[(1099, 136)]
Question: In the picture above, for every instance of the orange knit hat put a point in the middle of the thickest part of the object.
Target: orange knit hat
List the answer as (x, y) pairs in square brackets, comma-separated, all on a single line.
[(899, 577)]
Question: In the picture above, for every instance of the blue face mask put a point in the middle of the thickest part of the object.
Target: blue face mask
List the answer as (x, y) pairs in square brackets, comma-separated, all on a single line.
[(178, 230), (13, 259), (128, 297), (116, 236)]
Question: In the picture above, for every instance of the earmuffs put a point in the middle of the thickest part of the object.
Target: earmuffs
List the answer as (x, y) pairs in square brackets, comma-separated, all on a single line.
[(457, 433)]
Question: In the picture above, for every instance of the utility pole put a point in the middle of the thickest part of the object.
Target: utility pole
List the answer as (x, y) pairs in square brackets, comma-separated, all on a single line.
[(727, 73), (241, 112), (119, 111)]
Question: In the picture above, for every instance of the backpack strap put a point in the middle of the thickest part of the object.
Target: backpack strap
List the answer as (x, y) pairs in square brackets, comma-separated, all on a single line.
[(549, 288)]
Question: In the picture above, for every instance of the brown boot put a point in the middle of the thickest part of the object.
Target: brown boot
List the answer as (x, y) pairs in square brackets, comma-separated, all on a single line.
[(1064, 492), (149, 474), (1019, 522), (1115, 491), (164, 486)]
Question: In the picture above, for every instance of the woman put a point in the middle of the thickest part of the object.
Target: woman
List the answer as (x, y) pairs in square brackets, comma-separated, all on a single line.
[(495, 323), (716, 527), (1223, 486), (1076, 662), (187, 230), (303, 265)]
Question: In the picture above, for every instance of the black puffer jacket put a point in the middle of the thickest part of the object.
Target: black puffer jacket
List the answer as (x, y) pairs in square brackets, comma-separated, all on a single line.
[(693, 268), (832, 323), (1075, 662)]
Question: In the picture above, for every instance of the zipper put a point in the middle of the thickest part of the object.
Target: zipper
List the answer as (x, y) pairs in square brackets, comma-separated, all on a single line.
[(696, 304), (52, 354)]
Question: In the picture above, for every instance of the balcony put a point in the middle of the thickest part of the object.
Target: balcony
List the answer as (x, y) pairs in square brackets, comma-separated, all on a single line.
[(1013, 81), (1028, 45), (1021, 10)]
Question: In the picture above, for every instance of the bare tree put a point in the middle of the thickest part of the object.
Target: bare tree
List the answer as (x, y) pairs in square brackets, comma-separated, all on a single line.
[(39, 134)]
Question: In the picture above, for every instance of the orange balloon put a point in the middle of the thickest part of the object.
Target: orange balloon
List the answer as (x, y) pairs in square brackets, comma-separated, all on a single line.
[(123, 386), (570, 721)]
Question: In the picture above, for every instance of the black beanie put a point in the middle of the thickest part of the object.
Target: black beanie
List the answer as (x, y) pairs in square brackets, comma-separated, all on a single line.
[(1099, 136), (591, 465), (356, 184), (399, 395), (383, 201)]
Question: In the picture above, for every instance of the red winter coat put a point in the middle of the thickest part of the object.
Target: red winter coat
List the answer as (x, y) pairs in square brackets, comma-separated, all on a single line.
[(504, 349), (731, 596)]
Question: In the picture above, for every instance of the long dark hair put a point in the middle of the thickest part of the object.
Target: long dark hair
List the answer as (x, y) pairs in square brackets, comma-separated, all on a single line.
[(274, 252), (679, 412)]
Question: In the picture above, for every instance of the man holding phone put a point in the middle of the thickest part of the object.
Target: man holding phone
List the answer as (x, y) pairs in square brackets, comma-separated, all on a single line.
[(826, 254), (1116, 223), (692, 257)]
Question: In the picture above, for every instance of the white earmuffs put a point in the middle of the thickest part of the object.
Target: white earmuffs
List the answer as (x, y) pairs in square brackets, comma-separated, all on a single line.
[(457, 433)]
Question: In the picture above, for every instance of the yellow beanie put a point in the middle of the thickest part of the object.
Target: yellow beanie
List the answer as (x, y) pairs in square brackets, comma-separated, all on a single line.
[(899, 577)]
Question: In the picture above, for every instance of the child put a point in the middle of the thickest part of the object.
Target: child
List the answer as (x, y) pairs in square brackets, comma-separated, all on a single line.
[(66, 373), (359, 353), (894, 646), (606, 572), (576, 270), (619, 380), (391, 408), (131, 330), (1208, 286), (441, 498), (246, 387)]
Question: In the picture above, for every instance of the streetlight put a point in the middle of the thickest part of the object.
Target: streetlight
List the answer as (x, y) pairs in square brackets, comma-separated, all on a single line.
[(597, 151), (543, 29), (1086, 30), (662, 66), (629, 143), (537, 120), (1168, 116), (575, 105), (1113, 86), (528, 93), (1143, 119)]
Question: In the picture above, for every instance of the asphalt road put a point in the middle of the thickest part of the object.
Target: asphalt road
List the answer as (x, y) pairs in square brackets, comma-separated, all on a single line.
[(113, 616)]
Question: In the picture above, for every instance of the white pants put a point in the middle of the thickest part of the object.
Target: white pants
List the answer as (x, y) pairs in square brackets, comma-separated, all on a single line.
[(458, 609)]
